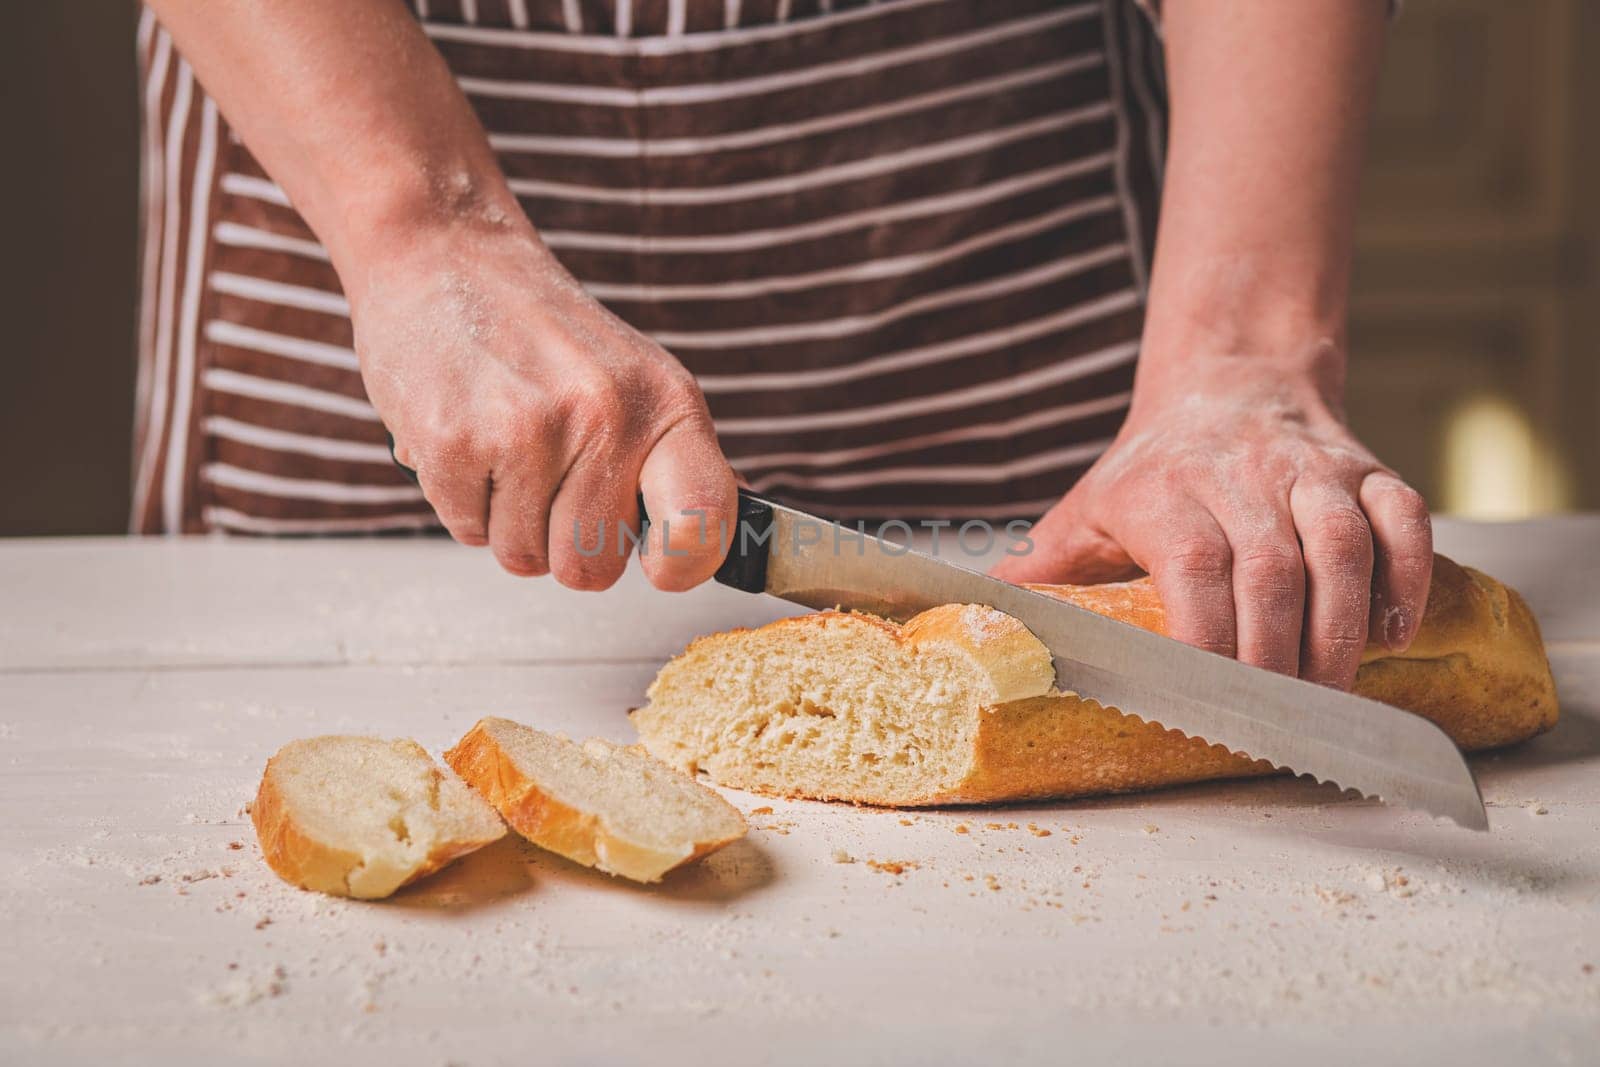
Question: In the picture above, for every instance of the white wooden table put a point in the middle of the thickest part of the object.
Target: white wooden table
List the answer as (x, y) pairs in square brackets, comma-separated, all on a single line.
[(143, 685)]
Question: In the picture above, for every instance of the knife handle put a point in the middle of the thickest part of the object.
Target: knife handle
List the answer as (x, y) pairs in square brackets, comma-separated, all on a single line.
[(745, 568)]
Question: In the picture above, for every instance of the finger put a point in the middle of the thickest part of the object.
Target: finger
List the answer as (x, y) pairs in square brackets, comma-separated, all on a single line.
[(1065, 546), (1269, 587), (519, 519), (691, 495), (1402, 536), (456, 483), (1336, 543), (1191, 563), (593, 520)]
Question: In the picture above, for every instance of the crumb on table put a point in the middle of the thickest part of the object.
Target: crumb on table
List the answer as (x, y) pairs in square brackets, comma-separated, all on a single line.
[(893, 866)]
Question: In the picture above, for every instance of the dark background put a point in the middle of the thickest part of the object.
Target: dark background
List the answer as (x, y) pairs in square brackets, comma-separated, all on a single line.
[(1474, 330), (70, 190)]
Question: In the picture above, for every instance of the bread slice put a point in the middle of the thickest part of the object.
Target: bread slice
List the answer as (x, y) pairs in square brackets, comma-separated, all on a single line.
[(361, 816), (958, 704), (599, 804)]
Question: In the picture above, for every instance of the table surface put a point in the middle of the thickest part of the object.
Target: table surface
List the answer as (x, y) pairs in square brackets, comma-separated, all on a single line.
[(143, 684)]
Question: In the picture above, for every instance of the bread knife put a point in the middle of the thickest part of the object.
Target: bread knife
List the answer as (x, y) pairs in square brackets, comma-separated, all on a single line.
[(1311, 730), (1332, 736)]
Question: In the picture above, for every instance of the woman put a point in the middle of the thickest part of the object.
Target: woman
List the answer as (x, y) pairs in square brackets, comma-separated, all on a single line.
[(899, 253)]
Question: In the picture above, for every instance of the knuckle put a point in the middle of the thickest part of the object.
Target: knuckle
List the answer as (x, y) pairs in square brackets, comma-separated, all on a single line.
[(590, 399), (1271, 568), (674, 383), (1221, 641), (678, 398), (1407, 500), (586, 573), (1199, 558), (1396, 496), (600, 391), (525, 429), (1338, 645), (597, 418), (1341, 532)]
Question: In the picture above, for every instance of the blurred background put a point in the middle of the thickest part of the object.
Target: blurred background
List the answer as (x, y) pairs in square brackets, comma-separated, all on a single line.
[(1475, 325)]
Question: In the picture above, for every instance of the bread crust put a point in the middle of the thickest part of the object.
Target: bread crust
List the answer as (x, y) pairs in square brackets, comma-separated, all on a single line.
[(581, 836), (299, 858), (1477, 668)]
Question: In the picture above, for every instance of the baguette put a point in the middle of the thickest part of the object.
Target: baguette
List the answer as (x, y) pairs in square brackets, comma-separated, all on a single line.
[(958, 705), (606, 806), (361, 816)]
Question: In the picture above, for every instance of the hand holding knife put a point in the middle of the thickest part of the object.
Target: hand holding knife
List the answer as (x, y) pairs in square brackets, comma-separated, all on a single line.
[(1356, 743)]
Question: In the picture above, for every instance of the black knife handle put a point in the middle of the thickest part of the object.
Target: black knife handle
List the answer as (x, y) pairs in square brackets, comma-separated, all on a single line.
[(745, 568)]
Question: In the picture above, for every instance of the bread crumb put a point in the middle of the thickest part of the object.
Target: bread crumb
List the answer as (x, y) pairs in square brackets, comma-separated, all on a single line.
[(1151, 828), (1536, 808), (962, 828), (841, 856), (765, 809), (1038, 831), (893, 866), (905, 822), (243, 991)]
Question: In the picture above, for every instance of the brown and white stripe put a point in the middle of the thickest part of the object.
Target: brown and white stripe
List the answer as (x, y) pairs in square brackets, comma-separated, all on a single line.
[(901, 245)]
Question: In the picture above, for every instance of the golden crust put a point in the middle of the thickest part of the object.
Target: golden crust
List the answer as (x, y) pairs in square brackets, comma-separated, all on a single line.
[(1477, 668), (1016, 662), (300, 859), (580, 836)]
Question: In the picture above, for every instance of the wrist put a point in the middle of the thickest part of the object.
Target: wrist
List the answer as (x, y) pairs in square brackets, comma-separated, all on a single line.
[(423, 211), (1305, 375), (1247, 304)]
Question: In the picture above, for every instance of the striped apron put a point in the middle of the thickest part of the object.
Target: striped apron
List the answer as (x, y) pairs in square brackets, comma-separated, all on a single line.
[(901, 245)]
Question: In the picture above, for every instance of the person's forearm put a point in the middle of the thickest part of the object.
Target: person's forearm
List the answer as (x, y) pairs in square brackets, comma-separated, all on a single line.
[(1269, 114), (351, 110)]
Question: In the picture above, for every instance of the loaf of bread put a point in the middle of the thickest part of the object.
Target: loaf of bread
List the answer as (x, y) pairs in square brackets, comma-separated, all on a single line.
[(361, 816), (958, 705), (606, 806)]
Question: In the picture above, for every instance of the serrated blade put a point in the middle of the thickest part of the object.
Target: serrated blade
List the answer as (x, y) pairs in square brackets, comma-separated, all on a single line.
[(1355, 743)]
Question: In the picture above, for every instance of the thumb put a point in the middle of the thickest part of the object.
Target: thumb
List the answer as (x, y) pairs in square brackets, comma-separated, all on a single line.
[(688, 489)]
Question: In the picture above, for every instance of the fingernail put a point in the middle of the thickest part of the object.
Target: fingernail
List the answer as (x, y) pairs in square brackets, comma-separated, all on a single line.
[(1396, 627)]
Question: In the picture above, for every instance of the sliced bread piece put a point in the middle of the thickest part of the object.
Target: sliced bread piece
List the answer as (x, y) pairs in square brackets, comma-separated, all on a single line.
[(958, 705), (607, 806), (361, 816)]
